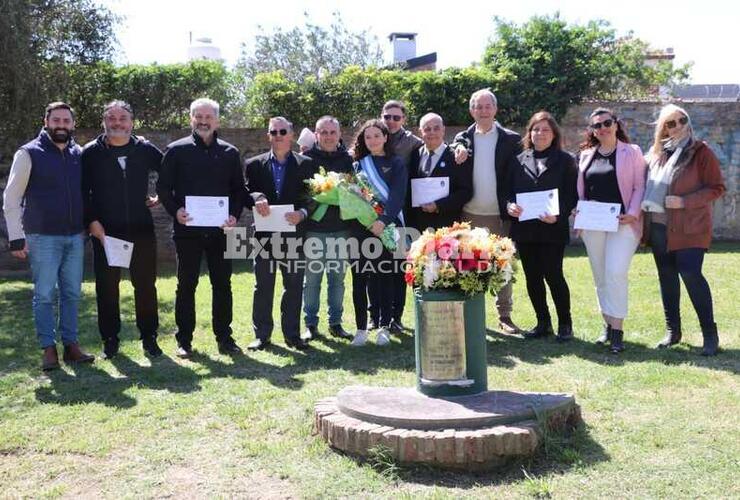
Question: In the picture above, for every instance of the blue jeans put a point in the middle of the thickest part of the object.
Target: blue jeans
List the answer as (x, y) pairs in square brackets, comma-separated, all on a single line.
[(56, 262), (333, 264)]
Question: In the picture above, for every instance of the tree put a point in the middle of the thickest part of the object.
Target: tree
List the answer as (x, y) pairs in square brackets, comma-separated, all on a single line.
[(310, 50), (38, 39), (547, 64)]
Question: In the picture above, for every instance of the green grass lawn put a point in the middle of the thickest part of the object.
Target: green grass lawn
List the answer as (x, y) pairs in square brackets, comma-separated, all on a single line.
[(657, 424)]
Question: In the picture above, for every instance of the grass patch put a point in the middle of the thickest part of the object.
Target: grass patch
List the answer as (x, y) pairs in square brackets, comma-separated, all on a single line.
[(658, 423)]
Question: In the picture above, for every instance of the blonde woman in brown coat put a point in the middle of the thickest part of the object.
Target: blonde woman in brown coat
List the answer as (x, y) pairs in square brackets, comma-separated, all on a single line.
[(684, 179)]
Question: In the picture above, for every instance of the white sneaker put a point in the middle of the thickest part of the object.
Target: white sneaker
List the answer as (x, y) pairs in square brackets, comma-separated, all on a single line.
[(383, 337), (360, 338)]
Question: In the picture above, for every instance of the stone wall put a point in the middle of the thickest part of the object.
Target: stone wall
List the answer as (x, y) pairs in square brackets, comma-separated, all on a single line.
[(716, 123)]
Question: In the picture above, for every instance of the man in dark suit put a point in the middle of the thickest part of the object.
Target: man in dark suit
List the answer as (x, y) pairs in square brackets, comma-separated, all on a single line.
[(435, 159), (492, 147), (278, 178)]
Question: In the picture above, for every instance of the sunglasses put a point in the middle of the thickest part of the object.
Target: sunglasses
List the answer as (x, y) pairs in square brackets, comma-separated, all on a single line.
[(606, 124), (672, 123), (395, 118), (282, 131)]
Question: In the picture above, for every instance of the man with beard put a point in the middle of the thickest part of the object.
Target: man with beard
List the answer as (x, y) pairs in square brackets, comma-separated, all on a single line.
[(43, 211), (115, 185), (201, 164)]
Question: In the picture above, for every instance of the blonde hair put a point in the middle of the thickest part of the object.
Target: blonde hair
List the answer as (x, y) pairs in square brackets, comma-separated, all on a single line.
[(660, 128)]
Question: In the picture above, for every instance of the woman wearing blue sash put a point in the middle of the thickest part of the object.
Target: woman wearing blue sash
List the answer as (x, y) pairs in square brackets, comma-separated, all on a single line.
[(375, 269)]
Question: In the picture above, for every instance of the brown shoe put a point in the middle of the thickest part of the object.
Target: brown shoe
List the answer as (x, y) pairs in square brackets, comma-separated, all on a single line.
[(506, 325), (50, 359), (73, 354)]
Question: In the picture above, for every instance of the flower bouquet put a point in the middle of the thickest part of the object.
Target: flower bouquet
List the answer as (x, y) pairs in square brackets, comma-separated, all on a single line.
[(355, 198), (460, 257)]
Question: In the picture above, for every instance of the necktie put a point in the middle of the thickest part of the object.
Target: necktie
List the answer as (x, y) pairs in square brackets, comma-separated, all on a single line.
[(428, 164)]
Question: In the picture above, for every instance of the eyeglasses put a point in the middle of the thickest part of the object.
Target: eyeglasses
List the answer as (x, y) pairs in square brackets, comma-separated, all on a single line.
[(395, 118), (606, 124), (282, 131), (672, 123)]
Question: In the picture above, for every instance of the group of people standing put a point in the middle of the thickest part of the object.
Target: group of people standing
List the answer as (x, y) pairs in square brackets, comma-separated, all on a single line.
[(58, 193)]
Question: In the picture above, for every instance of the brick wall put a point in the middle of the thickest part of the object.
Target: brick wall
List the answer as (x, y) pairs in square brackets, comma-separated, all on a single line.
[(716, 123)]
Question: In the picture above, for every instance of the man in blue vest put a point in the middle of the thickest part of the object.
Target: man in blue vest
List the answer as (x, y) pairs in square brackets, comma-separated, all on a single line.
[(43, 211)]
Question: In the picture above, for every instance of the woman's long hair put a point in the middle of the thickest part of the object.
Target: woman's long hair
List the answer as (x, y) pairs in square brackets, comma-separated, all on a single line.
[(543, 116), (660, 129), (360, 148), (591, 140)]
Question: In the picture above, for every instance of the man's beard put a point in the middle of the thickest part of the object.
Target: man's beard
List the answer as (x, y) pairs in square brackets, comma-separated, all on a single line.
[(59, 135)]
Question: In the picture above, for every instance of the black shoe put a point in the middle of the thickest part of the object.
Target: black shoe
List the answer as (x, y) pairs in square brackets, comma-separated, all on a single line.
[(259, 345), (565, 333), (541, 330), (339, 332), (672, 337), (184, 351), (617, 346), (151, 348), (395, 327), (711, 341), (297, 343), (312, 333), (110, 348), (606, 335), (228, 346)]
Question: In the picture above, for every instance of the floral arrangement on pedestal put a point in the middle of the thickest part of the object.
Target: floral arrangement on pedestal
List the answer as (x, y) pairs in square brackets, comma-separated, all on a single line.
[(459, 257), (354, 196)]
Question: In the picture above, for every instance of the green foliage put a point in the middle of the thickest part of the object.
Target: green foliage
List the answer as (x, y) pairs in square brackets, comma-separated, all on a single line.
[(310, 51), (547, 64)]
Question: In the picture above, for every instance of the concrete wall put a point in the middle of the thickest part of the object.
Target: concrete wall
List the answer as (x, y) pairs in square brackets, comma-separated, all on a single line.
[(716, 123)]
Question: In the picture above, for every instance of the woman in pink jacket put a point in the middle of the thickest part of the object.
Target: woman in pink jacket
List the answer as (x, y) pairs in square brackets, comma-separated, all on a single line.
[(611, 170)]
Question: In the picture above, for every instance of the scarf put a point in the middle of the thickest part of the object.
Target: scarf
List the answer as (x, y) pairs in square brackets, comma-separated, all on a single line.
[(659, 176)]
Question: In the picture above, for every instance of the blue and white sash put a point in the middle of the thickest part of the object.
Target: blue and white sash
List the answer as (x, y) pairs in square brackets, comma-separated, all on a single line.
[(380, 187)]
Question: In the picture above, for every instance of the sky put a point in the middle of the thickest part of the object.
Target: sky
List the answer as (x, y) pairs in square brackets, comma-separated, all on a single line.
[(698, 32)]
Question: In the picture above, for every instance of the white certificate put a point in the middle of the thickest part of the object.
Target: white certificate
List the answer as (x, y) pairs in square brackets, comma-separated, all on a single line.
[(538, 203), (207, 211), (428, 189), (597, 216), (118, 252), (275, 222)]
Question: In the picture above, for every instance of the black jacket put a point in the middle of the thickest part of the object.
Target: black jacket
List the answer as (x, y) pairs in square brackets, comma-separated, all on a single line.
[(508, 145), (116, 196), (190, 168), (260, 182), (332, 161), (449, 208), (560, 173)]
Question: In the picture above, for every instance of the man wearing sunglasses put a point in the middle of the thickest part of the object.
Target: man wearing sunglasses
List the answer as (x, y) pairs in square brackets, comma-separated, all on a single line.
[(202, 164), (492, 147), (403, 143), (278, 178)]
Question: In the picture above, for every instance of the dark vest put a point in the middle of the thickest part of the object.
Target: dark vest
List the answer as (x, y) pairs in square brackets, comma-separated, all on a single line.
[(53, 198)]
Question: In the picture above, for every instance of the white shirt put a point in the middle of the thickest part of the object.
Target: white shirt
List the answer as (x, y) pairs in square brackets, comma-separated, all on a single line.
[(485, 199), (436, 156)]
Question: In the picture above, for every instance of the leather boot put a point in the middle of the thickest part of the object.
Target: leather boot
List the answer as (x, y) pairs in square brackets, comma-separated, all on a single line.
[(711, 340), (542, 329), (617, 346), (606, 335), (50, 359), (672, 337), (73, 354)]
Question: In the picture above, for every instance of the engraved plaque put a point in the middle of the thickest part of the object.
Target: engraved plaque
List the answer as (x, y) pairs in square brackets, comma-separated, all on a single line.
[(443, 340)]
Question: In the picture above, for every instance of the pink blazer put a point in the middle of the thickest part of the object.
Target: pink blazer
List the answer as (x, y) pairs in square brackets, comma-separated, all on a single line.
[(631, 169)]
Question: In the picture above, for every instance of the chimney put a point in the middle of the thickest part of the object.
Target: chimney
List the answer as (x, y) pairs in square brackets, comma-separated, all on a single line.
[(404, 46)]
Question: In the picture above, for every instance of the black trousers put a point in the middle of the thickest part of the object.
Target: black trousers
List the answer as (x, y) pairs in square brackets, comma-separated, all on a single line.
[(360, 278), (189, 255), (143, 275), (686, 263), (543, 262), (382, 287), (292, 270)]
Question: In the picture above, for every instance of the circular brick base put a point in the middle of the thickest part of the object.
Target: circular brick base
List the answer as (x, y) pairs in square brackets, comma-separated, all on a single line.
[(469, 432)]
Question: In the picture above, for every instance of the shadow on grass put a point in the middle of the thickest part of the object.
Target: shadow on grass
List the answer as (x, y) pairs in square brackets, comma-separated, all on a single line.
[(503, 347)]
